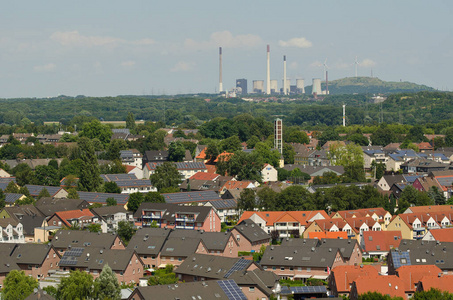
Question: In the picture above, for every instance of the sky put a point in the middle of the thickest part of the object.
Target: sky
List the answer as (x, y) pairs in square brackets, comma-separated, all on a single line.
[(109, 47)]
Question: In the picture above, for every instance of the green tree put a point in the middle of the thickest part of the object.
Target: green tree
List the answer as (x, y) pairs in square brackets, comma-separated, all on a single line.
[(154, 197), (231, 144), (377, 296), (288, 153), (166, 176), (111, 201), (2, 199), (436, 196), (72, 194), (328, 135), (93, 227), (383, 136), (95, 129), (134, 201), (411, 196), (44, 193), (268, 155), (247, 200), (163, 276), (112, 187), (89, 173), (378, 169), (130, 122), (449, 137), (12, 188), (106, 286), (283, 174), (24, 174), (298, 137), (18, 286), (267, 198), (125, 231), (351, 158), (433, 294), (212, 150), (359, 139), (46, 175), (79, 285), (252, 141), (176, 151), (295, 197), (246, 166), (53, 163), (24, 191), (114, 148)]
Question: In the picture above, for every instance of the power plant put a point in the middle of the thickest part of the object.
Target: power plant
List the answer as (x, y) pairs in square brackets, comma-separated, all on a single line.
[(272, 88)]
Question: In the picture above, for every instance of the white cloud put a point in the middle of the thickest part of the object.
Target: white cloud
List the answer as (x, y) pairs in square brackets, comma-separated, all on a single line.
[(45, 68), (128, 64), (294, 65), (367, 63), (182, 66), (74, 38), (224, 39), (300, 42)]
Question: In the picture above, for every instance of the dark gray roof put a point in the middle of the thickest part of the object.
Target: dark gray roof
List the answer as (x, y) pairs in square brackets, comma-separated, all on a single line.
[(143, 245), (181, 165), (109, 210), (117, 177), (153, 232), (133, 183), (264, 280), (212, 266), (180, 246), (314, 169), (224, 204), (346, 246), (251, 231), (213, 240), (29, 223), (36, 189), (155, 155), (7, 264), (201, 185), (121, 130), (12, 197), (300, 242), (95, 258), (74, 238), (428, 253), (39, 295), (169, 211), (49, 206), (221, 290), (30, 254), (102, 197), (188, 197), (318, 257), (16, 212)]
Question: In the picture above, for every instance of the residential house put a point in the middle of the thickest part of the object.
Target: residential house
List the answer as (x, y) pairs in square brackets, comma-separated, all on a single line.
[(268, 173), (177, 216), (255, 283), (112, 215), (176, 250), (131, 157), (76, 218), (54, 191), (419, 252), (189, 198), (11, 198), (301, 262), (412, 274), (319, 158), (35, 259), (67, 239), (4, 174), (148, 243), (12, 231), (225, 208), (378, 214), (284, 222), (386, 285), (441, 235), (250, 236), (373, 155), (379, 243), (396, 159), (443, 283), (342, 277), (216, 289), (125, 264), (429, 209), (238, 185), (328, 235), (186, 169), (425, 147), (422, 165), (93, 197), (387, 181), (48, 206), (154, 156)]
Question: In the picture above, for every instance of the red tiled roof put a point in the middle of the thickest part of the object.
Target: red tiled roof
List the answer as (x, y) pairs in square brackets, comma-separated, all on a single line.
[(273, 216), (226, 156), (204, 176), (443, 234), (424, 146), (328, 235), (431, 208), (345, 275), (411, 275), (443, 283), (232, 184), (384, 240), (129, 168), (211, 169), (387, 285), (202, 154), (73, 214)]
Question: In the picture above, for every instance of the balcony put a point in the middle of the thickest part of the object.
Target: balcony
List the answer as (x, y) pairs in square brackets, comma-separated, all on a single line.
[(289, 227), (184, 227), (151, 216), (184, 219)]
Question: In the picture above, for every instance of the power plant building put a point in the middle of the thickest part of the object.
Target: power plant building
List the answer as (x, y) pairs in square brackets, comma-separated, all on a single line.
[(274, 86), (258, 86), (316, 86), (242, 83), (300, 86), (287, 86)]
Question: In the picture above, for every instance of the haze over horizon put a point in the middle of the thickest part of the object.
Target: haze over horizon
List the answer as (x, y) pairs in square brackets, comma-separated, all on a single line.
[(109, 48)]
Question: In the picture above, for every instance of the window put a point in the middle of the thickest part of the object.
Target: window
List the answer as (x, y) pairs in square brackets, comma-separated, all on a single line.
[(403, 261), (308, 269), (282, 268), (251, 289)]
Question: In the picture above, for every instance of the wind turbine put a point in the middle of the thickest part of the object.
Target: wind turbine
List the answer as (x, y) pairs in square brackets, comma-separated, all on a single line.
[(356, 63)]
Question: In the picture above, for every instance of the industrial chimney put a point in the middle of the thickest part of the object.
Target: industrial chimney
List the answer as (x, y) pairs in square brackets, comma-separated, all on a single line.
[(268, 78), (220, 70), (285, 87)]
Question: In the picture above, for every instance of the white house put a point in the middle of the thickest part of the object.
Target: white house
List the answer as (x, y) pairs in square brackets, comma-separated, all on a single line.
[(12, 231), (269, 173)]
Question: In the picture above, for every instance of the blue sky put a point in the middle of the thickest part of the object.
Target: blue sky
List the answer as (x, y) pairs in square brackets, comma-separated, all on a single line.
[(109, 48)]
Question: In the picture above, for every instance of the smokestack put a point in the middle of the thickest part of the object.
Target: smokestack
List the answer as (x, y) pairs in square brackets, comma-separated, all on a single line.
[(285, 88), (220, 70), (268, 78), (344, 115), (327, 83)]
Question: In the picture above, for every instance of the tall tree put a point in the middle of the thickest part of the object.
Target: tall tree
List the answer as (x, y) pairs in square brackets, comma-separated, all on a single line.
[(134, 201), (112, 187), (44, 193), (95, 129), (247, 200), (176, 151), (154, 197), (90, 179), (267, 198), (114, 148), (106, 286), (18, 286), (46, 175), (72, 194), (166, 176), (79, 285), (12, 188), (111, 201), (125, 231), (351, 158), (130, 122)]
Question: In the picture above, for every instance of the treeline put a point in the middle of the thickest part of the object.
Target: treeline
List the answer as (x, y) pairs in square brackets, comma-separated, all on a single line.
[(407, 108)]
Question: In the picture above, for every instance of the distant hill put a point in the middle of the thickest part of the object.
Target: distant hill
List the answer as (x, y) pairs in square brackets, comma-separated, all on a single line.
[(370, 85)]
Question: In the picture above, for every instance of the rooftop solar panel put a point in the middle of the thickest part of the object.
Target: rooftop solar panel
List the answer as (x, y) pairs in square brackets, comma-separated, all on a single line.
[(238, 266), (308, 289), (400, 259), (231, 289)]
